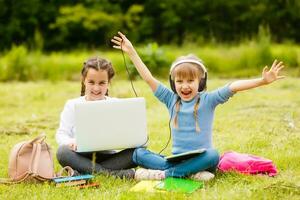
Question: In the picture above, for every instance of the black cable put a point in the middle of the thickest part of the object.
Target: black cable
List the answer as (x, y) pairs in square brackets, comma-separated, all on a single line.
[(132, 86), (128, 70), (124, 60), (169, 139)]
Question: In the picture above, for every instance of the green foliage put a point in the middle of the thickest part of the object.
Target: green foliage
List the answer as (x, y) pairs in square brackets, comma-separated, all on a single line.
[(89, 23), (68, 24), (90, 19), (132, 17), (290, 56), (246, 59), (21, 65), (264, 54), (154, 57), (16, 65), (38, 41)]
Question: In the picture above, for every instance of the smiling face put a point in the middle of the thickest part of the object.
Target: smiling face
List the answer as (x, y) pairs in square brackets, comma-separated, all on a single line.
[(186, 88), (96, 84), (95, 78), (186, 77)]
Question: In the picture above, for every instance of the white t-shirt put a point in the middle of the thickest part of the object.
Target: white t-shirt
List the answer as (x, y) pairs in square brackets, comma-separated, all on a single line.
[(65, 134)]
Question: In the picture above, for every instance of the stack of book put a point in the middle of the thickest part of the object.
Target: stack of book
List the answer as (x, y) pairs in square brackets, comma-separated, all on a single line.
[(82, 181)]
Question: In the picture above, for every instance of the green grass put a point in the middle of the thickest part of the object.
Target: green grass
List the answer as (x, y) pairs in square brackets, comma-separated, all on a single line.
[(264, 121)]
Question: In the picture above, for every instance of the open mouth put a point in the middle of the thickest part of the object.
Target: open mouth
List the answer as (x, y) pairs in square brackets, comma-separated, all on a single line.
[(186, 93), (96, 94)]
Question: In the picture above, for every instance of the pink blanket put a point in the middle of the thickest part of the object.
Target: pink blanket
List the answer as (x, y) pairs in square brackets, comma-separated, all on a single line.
[(246, 164)]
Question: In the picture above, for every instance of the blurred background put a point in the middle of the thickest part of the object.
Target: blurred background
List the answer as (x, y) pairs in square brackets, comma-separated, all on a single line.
[(50, 39)]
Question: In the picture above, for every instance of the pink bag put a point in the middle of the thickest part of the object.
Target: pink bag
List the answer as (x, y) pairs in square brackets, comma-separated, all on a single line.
[(246, 164), (32, 161)]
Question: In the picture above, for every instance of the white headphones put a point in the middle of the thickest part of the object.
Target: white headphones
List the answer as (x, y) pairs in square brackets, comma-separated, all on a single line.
[(202, 83)]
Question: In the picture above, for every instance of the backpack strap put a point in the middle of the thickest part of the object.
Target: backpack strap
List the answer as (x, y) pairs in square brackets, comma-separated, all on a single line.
[(39, 139), (35, 157), (36, 153), (34, 160), (67, 169), (10, 181)]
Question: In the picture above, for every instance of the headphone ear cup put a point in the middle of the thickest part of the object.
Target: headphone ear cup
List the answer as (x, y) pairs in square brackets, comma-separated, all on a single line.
[(202, 83), (200, 86), (172, 84)]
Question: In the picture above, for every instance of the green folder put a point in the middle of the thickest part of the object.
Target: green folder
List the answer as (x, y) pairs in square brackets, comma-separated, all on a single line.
[(179, 185)]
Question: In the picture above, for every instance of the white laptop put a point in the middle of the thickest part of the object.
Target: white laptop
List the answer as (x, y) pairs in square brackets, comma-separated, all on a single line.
[(110, 124)]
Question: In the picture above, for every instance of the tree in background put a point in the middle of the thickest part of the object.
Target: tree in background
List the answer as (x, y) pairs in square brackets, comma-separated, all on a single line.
[(81, 25), (68, 24)]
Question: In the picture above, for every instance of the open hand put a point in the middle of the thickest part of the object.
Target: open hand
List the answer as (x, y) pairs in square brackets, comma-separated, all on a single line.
[(270, 75), (121, 42)]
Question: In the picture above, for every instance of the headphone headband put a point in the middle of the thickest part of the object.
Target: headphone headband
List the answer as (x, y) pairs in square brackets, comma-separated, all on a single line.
[(188, 61), (202, 83)]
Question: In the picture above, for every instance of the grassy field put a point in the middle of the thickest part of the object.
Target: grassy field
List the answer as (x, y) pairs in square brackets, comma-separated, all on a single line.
[(263, 121)]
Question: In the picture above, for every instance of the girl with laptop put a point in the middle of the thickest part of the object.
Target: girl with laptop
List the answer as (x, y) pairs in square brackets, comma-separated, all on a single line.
[(192, 113), (96, 76)]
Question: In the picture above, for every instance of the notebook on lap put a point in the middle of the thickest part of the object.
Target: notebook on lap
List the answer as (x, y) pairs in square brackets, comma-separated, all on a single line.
[(185, 155), (110, 124)]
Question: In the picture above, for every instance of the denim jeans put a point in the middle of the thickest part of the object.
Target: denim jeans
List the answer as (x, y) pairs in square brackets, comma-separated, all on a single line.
[(117, 164), (205, 161)]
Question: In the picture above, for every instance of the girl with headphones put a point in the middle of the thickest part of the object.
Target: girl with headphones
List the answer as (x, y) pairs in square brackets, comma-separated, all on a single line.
[(192, 112)]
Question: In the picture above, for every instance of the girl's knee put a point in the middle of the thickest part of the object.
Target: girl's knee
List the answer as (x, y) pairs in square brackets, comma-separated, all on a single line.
[(62, 153), (148, 159), (138, 153), (213, 155)]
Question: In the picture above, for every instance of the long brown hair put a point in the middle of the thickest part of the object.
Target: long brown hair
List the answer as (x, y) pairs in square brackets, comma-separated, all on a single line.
[(97, 64), (187, 70)]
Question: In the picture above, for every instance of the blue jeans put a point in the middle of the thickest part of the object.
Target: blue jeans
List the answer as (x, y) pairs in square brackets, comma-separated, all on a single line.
[(117, 164), (205, 161)]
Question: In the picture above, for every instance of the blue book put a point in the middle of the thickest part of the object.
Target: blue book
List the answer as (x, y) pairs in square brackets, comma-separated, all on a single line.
[(73, 178)]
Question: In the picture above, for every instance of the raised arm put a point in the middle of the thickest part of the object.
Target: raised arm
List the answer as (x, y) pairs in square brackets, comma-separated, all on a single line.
[(121, 42), (268, 76)]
